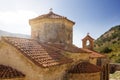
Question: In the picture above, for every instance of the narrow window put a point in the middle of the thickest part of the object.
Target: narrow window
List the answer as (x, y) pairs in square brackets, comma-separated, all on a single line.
[(87, 43)]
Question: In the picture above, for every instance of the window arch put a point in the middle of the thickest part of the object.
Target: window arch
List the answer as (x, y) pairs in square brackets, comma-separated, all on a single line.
[(88, 43)]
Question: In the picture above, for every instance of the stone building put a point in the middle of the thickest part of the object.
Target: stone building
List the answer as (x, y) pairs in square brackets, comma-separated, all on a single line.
[(50, 54), (52, 28), (100, 60)]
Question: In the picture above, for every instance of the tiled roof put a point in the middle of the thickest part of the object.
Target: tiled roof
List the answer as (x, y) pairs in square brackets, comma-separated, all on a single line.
[(84, 67), (69, 48), (51, 15), (94, 54), (7, 72), (41, 54)]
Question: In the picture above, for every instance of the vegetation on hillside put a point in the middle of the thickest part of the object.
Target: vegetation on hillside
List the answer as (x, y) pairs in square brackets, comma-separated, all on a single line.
[(109, 43)]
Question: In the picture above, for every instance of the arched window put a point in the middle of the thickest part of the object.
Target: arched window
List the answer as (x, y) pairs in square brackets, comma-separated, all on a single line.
[(87, 43)]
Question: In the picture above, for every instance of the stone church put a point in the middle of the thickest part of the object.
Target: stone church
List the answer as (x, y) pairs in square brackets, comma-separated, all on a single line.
[(50, 54)]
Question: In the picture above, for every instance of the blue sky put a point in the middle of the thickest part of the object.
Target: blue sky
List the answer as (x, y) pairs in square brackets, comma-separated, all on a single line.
[(93, 16)]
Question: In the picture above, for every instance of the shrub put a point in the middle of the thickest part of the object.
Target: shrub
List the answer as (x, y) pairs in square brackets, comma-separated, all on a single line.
[(106, 50), (117, 60)]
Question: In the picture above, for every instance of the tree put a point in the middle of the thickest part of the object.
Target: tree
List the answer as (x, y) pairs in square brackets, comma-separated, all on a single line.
[(106, 50)]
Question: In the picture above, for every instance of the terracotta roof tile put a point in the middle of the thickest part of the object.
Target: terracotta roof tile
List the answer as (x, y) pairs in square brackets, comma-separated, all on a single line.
[(84, 67), (51, 15), (41, 54), (7, 72), (69, 48), (94, 54)]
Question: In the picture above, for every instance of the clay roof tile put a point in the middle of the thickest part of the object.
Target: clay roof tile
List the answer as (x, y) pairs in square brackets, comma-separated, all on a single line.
[(51, 15), (84, 67), (40, 54), (93, 54), (7, 72), (69, 48)]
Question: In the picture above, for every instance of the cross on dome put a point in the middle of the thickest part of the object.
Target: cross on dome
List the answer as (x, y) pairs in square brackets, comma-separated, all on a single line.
[(88, 33), (50, 9)]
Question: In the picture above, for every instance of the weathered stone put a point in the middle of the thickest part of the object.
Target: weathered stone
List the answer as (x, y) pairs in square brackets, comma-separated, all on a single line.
[(52, 30), (85, 76)]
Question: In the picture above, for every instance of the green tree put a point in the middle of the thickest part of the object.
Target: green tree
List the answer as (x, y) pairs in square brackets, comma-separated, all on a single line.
[(106, 50)]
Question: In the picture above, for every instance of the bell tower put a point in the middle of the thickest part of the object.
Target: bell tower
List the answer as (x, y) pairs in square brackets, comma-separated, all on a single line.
[(88, 42)]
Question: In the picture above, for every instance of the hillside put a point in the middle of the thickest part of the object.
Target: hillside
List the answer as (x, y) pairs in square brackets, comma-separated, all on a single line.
[(109, 43), (4, 33)]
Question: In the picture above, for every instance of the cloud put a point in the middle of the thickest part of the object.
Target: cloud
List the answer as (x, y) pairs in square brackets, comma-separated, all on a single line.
[(16, 21), (18, 16)]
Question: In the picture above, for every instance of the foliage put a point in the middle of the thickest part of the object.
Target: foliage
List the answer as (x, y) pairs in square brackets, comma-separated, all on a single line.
[(118, 60), (106, 50), (109, 43)]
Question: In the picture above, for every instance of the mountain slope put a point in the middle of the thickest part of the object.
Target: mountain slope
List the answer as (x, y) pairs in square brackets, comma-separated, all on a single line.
[(4, 33), (109, 43)]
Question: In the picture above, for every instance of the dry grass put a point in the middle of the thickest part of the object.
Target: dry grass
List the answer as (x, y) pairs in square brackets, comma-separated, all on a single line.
[(115, 76)]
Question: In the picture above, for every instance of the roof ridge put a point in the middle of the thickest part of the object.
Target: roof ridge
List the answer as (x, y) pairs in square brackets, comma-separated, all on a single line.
[(93, 53), (51, 15)]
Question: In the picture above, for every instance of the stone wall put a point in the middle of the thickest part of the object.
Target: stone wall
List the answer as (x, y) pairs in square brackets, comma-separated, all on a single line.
[(117, 67), (77, 57), (93, 60), (84, 76), (14, 79), (114, 67), (14, 58), (52, 30)]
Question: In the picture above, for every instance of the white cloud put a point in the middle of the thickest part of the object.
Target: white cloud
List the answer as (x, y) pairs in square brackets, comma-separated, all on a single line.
[(17, 21)]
